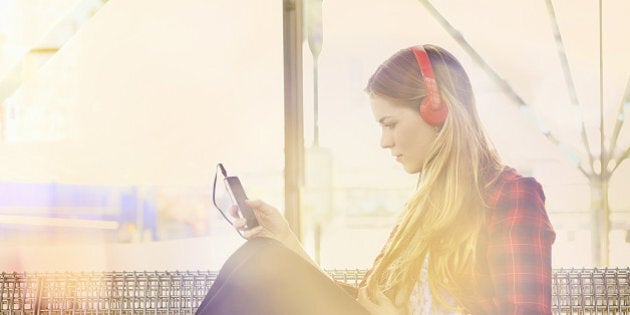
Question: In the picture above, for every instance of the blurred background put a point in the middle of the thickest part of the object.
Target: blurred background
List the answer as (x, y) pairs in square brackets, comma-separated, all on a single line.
[(114, 115)]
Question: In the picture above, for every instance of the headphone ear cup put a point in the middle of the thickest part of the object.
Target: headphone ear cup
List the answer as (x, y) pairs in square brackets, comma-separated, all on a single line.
[(432, 109), (433, 115)]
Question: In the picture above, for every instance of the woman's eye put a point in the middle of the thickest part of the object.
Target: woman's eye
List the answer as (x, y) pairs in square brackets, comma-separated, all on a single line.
[(389, 126)]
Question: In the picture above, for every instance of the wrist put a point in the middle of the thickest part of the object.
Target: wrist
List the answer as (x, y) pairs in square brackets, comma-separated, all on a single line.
[(290, 240)]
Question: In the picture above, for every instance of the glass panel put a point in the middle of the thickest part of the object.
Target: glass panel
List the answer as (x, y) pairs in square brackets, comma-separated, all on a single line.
[(517, 41), (109, 150), (113, 142), (23, 25)]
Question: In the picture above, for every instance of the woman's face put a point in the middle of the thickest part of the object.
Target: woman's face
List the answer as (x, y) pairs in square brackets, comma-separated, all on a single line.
[(403, 132)]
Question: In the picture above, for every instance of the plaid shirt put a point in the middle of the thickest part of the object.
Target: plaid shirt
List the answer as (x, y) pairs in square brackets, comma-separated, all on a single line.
[(513, 272), (514, 266)]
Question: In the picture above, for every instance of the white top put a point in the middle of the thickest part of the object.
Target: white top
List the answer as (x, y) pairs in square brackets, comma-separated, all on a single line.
[(420, 301)]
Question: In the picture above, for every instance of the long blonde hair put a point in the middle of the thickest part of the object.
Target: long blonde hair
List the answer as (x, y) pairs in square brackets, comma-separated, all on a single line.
[(441, 222)]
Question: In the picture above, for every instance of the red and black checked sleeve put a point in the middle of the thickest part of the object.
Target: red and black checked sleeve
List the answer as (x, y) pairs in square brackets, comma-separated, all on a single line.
[(519, 249)]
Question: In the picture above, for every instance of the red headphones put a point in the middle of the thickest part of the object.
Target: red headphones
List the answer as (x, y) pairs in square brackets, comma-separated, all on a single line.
[(432, 110)]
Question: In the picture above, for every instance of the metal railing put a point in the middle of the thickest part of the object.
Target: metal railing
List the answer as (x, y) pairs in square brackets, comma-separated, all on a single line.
[(575, 291), (591, 291)]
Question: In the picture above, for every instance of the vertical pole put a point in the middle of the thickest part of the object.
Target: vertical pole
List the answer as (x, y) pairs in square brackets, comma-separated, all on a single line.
[(315, 103), (293, 112), (604, 216), (602, 223), (600, 219)]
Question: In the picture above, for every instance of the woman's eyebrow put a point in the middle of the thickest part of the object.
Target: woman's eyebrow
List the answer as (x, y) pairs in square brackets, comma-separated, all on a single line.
[(382, 120)]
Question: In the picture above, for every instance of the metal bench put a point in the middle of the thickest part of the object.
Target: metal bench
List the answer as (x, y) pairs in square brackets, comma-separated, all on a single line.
[(575, 291)]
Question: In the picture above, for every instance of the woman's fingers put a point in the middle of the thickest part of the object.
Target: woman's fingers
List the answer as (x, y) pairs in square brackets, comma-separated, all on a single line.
[(234, 211), (261, 206), (239, 223), (377, 304), (363, 297), (365, 301), (381, 298), (271, 222), (253, 232)]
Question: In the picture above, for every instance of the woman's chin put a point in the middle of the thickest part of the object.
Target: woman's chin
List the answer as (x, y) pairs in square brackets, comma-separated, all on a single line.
[(412, 169)]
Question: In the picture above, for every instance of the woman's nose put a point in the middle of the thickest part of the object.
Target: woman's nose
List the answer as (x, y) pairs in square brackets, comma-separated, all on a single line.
[(386, 140)]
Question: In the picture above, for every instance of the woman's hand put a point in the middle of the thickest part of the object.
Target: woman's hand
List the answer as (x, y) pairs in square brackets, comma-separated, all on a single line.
[(270, 222), (382, 304)]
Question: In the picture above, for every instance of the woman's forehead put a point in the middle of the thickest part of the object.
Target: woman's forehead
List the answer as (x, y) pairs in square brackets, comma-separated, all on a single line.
[(386, 106)]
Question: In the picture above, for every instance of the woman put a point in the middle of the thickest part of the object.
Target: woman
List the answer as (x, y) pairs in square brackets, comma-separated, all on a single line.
[(474, 238)]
